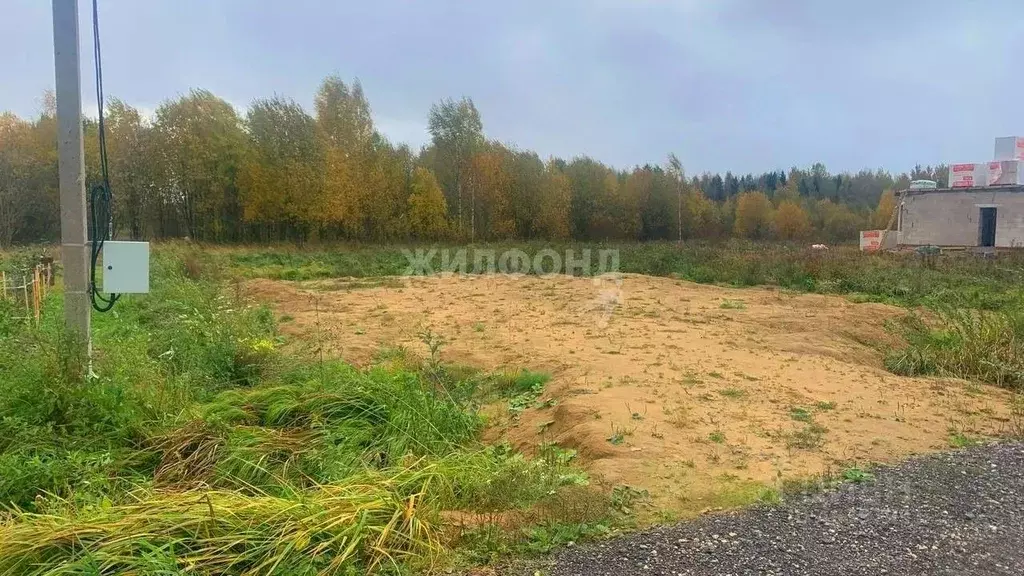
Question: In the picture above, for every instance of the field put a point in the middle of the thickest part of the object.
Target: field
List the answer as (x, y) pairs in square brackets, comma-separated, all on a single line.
[(703, 396), (305, 411)]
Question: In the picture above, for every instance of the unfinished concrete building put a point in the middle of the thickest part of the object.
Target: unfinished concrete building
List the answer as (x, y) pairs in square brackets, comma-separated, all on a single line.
[(987, 217)]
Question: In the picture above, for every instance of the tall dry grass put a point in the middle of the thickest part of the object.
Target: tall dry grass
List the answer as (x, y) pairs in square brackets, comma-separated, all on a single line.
[(342, 529)]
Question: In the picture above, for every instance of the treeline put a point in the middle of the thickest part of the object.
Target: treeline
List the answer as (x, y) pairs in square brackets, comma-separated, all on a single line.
[(198, 169)]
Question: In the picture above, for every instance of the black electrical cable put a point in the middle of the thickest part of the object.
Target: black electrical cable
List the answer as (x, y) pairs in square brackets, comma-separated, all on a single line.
[(100, 211)]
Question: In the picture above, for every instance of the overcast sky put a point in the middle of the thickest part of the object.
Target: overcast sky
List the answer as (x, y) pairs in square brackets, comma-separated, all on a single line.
[(742, 85)]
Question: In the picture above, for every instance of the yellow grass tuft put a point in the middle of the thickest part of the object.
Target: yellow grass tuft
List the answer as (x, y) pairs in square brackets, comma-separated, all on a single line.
[(327, 530)]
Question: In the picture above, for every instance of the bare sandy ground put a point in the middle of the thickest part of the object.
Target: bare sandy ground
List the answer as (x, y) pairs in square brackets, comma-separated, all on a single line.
[(699, 394)]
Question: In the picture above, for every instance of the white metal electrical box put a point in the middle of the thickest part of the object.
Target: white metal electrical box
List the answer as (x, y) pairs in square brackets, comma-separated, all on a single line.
[(126, 267)]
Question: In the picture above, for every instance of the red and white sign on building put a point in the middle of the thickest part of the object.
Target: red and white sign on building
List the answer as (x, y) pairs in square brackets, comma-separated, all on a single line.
[(1006, 173), (873, 240), (870, 240), (968, 175)]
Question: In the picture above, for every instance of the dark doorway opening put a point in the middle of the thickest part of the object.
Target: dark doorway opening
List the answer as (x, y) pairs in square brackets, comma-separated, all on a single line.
[(987, 228)]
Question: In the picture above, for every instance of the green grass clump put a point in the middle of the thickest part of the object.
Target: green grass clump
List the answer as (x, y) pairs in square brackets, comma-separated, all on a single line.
[(810, 437), (515, 382), (522, 388), (857, 475), (322, 430), (952, 340), (800, 414), (961, 440)]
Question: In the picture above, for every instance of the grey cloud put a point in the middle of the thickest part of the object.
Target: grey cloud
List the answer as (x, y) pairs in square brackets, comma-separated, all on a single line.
[(742, 85)]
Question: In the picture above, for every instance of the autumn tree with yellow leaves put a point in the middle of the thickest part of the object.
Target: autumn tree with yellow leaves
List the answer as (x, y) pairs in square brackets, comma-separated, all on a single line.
[(791, 221), (753, 215), (276, 171), (884, 215), (427, 214)]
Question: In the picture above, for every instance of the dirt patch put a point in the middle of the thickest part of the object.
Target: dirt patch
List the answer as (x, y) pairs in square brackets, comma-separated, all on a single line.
[(700, 394)]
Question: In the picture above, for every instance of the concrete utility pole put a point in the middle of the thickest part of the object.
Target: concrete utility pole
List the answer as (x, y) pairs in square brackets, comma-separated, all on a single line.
[(71, 162)]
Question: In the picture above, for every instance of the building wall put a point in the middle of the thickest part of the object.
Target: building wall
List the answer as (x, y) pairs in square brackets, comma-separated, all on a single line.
[(952, 218)]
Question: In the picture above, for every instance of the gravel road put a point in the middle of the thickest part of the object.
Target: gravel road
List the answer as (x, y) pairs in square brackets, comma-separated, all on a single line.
[(958, 513)]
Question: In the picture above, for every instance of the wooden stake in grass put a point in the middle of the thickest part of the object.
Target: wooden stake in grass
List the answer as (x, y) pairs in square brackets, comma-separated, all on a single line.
[(24, 290), (3, 280), (44, 280), (36, 295)]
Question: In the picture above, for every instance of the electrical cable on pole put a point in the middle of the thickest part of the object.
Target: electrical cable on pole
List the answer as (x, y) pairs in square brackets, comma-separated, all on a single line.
[(100, 210)]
